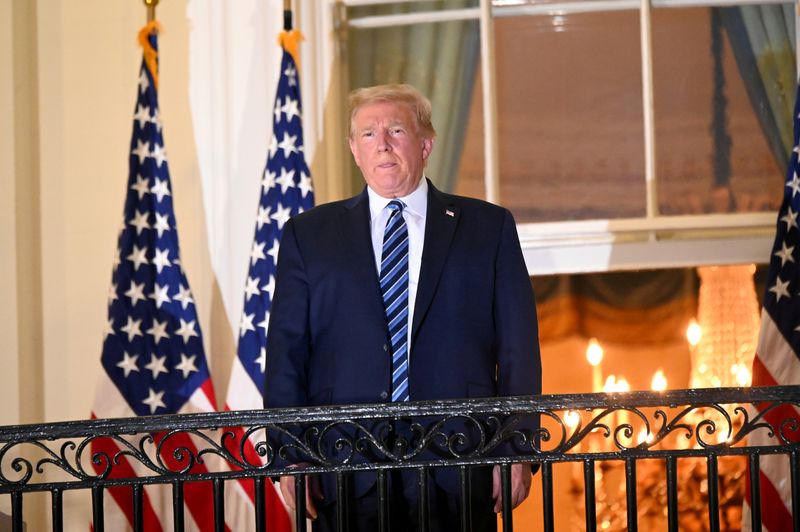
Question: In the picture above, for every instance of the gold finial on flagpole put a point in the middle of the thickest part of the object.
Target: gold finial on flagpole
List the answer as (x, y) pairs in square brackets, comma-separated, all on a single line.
[(151, 9)]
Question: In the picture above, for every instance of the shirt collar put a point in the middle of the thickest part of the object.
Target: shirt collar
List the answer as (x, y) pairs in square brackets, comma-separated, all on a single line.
[(415, 203)]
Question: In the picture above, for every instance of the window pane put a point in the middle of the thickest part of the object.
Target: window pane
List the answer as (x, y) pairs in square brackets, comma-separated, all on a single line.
[(724, 87), (569, 117), (440, 59)]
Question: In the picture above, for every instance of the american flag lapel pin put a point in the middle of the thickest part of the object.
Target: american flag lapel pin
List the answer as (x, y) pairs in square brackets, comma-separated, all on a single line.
[(449, 213)]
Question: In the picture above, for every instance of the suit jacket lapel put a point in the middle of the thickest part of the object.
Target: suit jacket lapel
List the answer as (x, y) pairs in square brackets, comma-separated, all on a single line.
[(358, 241), (440, 225)]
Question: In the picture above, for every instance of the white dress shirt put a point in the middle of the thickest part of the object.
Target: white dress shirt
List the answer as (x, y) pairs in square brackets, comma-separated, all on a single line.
[(416, 207)]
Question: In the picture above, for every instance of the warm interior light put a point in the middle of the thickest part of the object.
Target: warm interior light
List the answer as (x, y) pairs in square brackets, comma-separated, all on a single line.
[(659, 382), (610, 384), (743, 376), (694, 332), (572, 418), (594, 352), (623, 386), (644, 436)]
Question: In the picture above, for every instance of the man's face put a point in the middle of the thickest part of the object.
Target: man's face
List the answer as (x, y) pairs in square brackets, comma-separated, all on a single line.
[(388, 149)]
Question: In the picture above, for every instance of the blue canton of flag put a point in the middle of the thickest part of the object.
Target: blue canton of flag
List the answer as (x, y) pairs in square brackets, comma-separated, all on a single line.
[(286, 190), (153, 347)]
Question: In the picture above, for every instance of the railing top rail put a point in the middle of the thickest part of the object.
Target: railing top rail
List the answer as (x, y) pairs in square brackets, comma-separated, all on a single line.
[(635, 399)]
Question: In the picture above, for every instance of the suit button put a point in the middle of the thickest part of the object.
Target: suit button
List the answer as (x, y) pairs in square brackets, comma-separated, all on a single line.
[(385, 347), (384, 394)]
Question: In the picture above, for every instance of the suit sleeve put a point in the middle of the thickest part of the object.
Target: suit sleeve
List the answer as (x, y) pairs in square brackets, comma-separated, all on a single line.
[(288, 339), (519, 365)]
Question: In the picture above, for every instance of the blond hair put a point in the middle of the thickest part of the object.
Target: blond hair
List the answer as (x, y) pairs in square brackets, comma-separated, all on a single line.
[(398, 93)]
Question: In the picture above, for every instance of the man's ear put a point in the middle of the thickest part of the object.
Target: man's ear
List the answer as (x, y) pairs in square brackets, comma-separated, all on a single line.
[(427, 148)]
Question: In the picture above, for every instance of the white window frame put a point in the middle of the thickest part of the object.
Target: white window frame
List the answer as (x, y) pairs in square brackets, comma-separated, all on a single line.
[(651, 241)]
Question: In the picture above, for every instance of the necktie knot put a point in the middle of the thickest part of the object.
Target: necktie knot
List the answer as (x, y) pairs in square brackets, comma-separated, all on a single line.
[(396, 205)]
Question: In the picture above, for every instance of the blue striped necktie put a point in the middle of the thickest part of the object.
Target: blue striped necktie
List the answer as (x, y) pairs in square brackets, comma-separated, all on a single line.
[(394, 289)]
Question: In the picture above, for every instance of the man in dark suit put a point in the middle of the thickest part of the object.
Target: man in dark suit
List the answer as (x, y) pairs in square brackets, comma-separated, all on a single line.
[(402, 293)]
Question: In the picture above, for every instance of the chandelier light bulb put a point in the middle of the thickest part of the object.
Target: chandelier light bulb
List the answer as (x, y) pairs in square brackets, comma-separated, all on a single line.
[(594, 352), (743, 376), (572, 418), (694, 333), (610, 384), (659, 382)]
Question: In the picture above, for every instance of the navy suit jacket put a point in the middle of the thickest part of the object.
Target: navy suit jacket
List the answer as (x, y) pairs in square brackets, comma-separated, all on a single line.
[(474, 330)]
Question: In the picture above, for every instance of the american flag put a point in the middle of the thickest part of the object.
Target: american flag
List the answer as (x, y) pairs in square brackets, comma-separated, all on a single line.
[(153, 360), (286, 190), (777, 359)]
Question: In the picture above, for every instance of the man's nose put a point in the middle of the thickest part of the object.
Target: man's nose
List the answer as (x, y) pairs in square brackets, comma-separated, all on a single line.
[(383, 142)]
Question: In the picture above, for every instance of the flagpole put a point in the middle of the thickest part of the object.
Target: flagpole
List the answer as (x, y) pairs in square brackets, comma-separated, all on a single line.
[(151, 9), (287, 15)]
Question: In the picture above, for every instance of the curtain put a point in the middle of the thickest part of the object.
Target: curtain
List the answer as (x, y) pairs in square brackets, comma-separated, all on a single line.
[(763, 42), (439, 59)]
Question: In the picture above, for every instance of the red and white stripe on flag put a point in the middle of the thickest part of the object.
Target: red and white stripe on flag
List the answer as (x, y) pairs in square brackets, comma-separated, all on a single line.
[(157, 498), (240, 496), (775, 363)]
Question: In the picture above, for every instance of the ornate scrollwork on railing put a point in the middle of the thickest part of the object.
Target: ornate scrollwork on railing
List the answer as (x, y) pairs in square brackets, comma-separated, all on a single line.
[(565, 427)]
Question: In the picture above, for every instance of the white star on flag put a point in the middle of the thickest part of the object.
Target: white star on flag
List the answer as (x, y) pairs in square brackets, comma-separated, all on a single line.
[(262, 360), (794, 184), (790, 219), (186, 330), (274, 250), (264, 324), (269, 288), (780, 289), (267, 182), (159, 293), (785, 254), (135, 293), (286, 180), (142, 186), (157, 365), (161, 260), (257, 253), (128, 363), (263, 216), (158, 331), (305, 184), (251, 288), (160, 189), (184, 295), (133, 328), (290, 109), (186, 366), (162, 224), (142, 151), (140, 222), (160, 156), (288, 144), (142, 115), (282, 215), (246, 324), (155, 400)]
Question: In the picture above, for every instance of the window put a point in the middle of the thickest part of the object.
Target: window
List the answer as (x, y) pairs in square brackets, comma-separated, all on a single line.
[(620, 135)]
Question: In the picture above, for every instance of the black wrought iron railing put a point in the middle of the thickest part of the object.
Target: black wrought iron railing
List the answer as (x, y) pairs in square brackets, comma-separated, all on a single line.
[(598, 432)]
